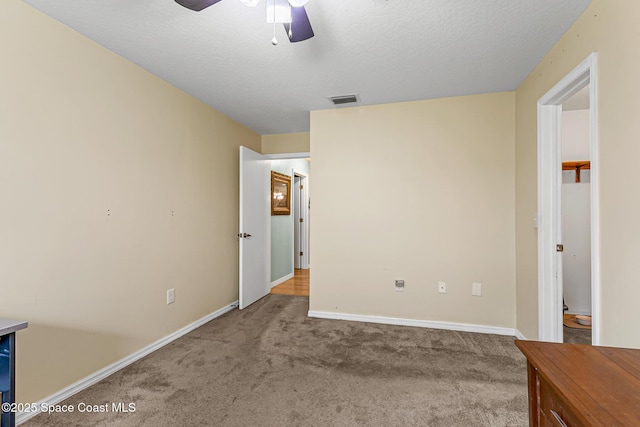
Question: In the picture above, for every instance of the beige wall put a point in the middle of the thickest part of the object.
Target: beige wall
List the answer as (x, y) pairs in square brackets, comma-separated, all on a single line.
[(83, 132), (285, 143), (421, 191), (609, 27)]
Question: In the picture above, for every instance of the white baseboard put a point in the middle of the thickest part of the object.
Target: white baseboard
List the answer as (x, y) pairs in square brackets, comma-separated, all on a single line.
[(80, 385), (282, 280), (520, 335), (463, 327)]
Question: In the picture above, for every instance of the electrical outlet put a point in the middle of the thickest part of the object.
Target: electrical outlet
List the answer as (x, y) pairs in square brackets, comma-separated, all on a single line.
[(442, 287), (171, 296), (400, 285), (476, 289)]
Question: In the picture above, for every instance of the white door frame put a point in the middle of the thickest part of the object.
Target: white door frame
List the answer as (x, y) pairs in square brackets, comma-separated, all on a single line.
[(549, 202), (304, 214)]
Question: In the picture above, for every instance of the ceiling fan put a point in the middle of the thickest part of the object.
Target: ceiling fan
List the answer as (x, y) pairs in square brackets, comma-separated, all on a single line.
[(290, 13)]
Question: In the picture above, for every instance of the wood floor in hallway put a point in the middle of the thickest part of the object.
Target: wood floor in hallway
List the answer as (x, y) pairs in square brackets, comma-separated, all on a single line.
[(298, 285)]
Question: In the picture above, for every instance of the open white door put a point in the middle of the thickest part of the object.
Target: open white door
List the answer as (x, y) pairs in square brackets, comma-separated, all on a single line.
[(297, 246), (300, 221), (255, 226)]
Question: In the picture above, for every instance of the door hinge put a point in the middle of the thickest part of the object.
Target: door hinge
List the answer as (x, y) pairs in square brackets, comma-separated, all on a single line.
[(301, 220), (301, 253), (301, 186)]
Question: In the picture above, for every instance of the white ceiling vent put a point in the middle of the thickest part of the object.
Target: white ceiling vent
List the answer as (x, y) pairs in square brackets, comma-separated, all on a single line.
[(344, 99)]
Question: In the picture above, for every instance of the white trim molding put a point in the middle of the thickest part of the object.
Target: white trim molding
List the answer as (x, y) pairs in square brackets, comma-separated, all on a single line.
[(549, 200), (462, 327), (281, 280), (97, 376)]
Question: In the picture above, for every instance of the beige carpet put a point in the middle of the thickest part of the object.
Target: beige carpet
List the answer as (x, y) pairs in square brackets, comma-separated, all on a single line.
[(270, 365)]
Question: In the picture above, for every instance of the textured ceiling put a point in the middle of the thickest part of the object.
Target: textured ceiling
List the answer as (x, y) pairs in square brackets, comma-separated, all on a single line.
[(386, 51)]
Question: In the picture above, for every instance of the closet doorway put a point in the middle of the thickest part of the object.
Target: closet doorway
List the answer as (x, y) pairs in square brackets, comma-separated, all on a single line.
[(549, 214)]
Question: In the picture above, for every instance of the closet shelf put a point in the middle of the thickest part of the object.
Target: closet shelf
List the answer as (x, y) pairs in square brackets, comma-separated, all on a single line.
[(576, 166)]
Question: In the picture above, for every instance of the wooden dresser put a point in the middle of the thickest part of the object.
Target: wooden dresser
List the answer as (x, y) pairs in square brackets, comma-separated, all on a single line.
[(581, 385)]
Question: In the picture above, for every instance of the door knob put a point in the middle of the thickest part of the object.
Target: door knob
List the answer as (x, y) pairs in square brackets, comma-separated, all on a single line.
[(245, 235)]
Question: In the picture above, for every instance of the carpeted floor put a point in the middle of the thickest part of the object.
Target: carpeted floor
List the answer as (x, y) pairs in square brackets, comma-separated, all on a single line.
[(270, 365)]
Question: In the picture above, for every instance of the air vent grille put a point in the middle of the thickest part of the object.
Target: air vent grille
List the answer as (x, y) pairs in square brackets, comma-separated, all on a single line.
[(343, 99)]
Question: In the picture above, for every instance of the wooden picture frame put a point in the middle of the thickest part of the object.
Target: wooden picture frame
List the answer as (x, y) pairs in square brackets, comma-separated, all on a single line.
[(280, 194)]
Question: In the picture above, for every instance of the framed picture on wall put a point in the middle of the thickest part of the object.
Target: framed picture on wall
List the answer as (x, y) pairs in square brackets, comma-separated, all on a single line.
[(280, 194)]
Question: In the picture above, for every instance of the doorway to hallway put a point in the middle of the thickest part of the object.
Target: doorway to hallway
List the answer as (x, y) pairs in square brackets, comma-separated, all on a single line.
[(298, 285), (290, 232)]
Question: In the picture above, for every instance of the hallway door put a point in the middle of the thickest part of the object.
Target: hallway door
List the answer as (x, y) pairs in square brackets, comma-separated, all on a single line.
[(255, 227)]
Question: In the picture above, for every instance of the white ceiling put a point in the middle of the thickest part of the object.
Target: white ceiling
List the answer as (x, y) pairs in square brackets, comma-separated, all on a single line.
[(385, 51)]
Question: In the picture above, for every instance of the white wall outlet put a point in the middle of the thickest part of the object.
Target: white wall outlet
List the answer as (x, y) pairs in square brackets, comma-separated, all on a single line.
[(442, 287), (400, 285), (476, 289), (171, 296)]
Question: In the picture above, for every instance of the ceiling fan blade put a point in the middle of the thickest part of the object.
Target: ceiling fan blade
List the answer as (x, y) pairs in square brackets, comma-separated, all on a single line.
[(300, 26), (197, 5)]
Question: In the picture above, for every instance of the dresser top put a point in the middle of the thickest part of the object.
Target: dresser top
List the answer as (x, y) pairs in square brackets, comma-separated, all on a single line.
[(9, 326), (602, 384)]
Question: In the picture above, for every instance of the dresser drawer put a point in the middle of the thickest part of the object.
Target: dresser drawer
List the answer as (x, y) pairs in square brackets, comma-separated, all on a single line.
[(553, 409)]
